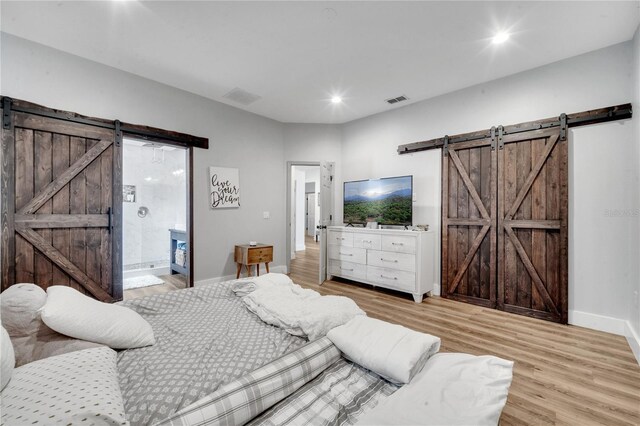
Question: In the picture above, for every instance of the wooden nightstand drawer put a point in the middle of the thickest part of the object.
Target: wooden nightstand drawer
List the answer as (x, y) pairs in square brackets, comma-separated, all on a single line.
[(260, 255)]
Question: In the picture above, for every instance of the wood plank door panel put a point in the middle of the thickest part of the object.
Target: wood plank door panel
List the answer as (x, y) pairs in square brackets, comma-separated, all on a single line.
[(469, 223), (56, 214), (532, 225)]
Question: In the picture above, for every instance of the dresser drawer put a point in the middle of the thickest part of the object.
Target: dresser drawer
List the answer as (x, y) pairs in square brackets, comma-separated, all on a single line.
[(260, 255), (399, 243), (348, 254), (340, 238), (368, 241), (392, 260), (348, 269), (399, 280)]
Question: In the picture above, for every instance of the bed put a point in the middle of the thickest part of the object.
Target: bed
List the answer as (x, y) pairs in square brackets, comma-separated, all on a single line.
[(215, 361), (204, 337)]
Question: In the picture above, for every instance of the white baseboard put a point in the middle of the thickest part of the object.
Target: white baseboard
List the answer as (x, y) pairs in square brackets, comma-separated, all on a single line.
[(634, 340), (281, 269), (597, 322)]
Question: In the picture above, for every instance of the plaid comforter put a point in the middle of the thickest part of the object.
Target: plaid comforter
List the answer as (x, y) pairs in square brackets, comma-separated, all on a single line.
[(241, 400), (312, 385), (337, 397)]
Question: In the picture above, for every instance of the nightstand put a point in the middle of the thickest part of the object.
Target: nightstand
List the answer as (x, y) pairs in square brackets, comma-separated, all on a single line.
[(253, 255)]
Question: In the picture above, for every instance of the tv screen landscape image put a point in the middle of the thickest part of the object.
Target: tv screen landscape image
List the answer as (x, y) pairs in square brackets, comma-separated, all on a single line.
[(387, 201)]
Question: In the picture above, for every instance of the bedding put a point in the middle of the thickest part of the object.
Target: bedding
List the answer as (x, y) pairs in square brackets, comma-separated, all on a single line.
[(299, 311), (394, 352), (339, 396), (80, 387), (205, 337), (241, 400), (7, 358), (452, 389), (32, 340), (115, 326)]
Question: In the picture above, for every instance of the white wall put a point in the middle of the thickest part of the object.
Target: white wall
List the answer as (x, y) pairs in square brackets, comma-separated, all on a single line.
[(315, 143), (239, 139), (300, 181), (594, 80), (312, 174)]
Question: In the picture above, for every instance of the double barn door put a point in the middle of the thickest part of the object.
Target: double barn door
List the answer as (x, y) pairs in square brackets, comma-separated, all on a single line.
[(504, 230), (59, 190)]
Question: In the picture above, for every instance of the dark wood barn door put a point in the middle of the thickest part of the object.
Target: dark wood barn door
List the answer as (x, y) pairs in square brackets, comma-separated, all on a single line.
[(469, 222), (59, 183), (504, 223), (532, 225)]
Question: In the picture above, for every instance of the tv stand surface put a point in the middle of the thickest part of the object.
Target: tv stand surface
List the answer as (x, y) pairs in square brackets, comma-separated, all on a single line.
[(391, 258)]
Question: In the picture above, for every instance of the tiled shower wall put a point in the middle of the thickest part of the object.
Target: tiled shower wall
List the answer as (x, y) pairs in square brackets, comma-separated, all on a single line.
[(161, 188)]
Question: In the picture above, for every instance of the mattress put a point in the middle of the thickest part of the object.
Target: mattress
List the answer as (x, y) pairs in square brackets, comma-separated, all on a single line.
[(205, 337)]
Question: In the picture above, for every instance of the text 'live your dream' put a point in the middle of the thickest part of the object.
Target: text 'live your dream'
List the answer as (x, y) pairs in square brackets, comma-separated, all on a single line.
[(224, 193)]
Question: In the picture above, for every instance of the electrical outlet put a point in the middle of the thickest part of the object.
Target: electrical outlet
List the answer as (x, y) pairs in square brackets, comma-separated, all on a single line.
[(266, 215), (415, 197)]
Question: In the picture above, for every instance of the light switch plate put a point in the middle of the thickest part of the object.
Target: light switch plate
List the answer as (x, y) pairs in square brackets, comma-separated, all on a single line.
[(266, 215)]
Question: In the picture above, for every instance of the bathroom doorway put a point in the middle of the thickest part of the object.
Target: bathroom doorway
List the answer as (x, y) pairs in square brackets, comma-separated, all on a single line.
[(155, 188)]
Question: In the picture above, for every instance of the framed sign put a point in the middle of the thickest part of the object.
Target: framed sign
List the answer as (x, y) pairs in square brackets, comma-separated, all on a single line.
[(224, 188)]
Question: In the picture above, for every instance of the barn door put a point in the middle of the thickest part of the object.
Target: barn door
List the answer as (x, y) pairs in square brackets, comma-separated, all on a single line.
[(532, 224), (59, 182), (469, 222)]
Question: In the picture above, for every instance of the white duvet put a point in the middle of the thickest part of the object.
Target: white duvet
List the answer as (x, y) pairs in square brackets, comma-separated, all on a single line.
[(451, 389), (301, 312)]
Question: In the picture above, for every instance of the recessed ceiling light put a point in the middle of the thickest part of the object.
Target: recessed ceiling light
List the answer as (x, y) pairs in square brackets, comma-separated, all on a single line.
[(500, 38), (336, 100)]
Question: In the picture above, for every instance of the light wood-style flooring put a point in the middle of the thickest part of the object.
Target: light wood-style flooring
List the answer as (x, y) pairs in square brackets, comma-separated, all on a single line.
[(171, 283), (563, 375)]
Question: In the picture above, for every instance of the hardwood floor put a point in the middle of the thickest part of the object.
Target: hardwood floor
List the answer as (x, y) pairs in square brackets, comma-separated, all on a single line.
[(171, 283), (563, 375), (307, 261)]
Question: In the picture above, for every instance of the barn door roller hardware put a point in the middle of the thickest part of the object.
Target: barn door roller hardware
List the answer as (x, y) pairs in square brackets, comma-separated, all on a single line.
[(6, 112), (493, 138), (118, 131), (563, 122), (445, 148), (563, 127)]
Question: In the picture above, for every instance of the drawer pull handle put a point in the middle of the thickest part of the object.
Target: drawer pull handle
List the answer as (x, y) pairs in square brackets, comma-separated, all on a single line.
[(388, 278), (387, 260), (397, 244), (366, 241), (338, 238), (345, 269), (346, 254)]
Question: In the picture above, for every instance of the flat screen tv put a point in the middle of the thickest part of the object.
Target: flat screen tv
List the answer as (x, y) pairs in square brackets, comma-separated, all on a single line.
[(387, 201)]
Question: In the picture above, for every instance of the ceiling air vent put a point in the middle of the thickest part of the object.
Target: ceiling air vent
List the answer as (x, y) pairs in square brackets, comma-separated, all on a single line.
[(241, 96), (396, 100)]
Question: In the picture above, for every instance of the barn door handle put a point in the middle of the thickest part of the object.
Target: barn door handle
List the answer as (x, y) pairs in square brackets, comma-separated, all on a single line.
[(110, 216)]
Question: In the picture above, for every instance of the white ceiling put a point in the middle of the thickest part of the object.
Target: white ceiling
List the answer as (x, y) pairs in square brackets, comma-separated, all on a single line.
[(297, 55)]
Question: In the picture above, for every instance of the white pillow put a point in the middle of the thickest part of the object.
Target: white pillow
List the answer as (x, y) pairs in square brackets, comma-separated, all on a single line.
[(70, 312), (79, 387), (389, 350), (7, 358)]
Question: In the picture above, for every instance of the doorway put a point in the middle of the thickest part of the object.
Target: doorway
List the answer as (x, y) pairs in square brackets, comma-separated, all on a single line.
[(154, 210), (309, 207)]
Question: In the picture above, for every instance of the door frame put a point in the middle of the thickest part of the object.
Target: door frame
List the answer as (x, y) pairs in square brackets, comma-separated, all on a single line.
[(189, 181), (288, 224)]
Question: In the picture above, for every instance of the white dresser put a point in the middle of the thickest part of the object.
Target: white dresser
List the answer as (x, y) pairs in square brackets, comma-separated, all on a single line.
[(389, 258)]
